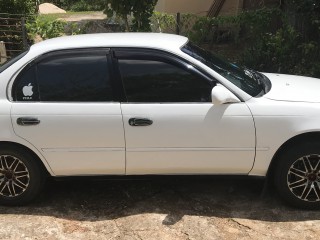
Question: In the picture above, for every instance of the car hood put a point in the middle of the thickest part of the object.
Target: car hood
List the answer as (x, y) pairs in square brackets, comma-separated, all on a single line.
[(293, 88)]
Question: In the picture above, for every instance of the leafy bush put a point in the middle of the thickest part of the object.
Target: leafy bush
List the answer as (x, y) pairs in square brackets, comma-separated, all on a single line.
[(214, 30), (201, 29), (306, 17), (273, 52), (75, 28), (45, 28), (163, 22), (18, 6), (255, 24), (82, 5), (280, 48), (141, 11)]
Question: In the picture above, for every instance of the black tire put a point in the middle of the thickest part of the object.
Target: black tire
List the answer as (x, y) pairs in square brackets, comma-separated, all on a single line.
[(33, 177), (293, 188)]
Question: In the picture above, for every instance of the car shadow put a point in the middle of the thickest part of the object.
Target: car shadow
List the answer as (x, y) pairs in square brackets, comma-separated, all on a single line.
[(96, 200)]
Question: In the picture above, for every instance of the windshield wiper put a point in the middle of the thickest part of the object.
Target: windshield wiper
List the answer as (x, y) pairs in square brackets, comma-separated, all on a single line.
[(258, 77)]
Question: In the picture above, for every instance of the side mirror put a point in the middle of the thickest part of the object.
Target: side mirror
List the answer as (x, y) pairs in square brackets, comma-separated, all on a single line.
[(221, 95)]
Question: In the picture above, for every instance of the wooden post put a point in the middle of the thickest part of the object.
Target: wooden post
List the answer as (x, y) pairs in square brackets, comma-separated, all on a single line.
[(3, 53), (178, 23), (24, 33)]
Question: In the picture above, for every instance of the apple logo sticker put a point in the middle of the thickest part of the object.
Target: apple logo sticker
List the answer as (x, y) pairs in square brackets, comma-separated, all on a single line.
[(27, 92)]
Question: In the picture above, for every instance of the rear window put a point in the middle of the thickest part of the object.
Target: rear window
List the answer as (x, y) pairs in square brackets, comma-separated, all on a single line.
[(73, 76), (13, 60)]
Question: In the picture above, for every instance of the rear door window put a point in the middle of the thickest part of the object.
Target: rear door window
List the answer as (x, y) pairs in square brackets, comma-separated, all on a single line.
[(66, 77)]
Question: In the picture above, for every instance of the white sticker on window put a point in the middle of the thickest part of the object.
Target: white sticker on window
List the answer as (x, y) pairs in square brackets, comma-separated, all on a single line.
[(27, 92)]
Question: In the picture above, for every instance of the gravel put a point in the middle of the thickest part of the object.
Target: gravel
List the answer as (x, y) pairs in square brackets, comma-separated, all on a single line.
[(158, 208)]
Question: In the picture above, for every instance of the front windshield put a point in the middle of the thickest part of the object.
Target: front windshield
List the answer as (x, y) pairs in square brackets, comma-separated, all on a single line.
[(253, 83), (12, 61)]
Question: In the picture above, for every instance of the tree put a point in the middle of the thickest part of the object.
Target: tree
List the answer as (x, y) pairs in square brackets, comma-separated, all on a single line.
[(305, 15), (141, 10), (18, 6)]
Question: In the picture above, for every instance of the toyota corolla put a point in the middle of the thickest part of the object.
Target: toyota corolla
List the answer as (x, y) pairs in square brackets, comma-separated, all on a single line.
[(152, 104)]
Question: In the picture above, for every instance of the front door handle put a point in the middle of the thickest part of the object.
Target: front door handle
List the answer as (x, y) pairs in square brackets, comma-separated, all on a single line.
[(27, 121), (140, 122)]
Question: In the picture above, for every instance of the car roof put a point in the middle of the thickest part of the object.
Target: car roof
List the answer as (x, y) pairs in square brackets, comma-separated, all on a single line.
[(163, 41)]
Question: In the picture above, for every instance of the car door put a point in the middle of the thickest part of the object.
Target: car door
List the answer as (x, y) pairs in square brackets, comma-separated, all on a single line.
[(64, 103), (171, 125)]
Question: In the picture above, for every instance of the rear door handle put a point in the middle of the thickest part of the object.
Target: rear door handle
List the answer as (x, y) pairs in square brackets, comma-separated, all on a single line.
[(27, 121), (140, 122)]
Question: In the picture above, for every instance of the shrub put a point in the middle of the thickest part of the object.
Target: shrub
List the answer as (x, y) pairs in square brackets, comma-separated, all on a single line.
[(280, 48), (82, 5), (140, 11), (45, 28), (18, 6), (163, 22)]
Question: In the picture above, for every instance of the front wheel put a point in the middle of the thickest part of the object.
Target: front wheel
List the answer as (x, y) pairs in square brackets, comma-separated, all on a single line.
[(297, 176), (21, 177)]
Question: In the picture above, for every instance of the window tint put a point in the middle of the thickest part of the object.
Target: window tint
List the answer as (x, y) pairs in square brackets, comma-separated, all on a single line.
[(26, 87), (75, 78), (157, 81)]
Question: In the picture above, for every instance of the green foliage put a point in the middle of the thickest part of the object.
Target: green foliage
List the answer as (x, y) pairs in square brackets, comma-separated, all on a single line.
[(164, 22), (200, 29), (273, 52), (308, 13), (213, 30), (268, 37), (284, 51), (83, 5), (309, 63), (257, 23), (18, 6), (273, 40), (75, 28), (141, 10), (45, 28), (310, 7)]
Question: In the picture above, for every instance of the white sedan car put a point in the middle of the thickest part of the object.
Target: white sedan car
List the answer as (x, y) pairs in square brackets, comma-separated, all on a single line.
[(152, 104)]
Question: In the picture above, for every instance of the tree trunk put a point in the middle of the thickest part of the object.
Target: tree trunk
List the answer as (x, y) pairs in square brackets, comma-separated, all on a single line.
[(125, 18)]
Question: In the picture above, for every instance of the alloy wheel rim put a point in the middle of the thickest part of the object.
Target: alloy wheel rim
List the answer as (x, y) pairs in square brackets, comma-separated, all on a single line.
[(303, 178), (14, 176)]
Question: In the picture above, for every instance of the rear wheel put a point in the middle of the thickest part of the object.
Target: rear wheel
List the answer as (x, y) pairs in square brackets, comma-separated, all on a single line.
[(297, 176), (21, 177)]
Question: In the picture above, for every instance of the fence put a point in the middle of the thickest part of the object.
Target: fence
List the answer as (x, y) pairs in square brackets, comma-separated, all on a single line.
[(13, 33), (3, 53)]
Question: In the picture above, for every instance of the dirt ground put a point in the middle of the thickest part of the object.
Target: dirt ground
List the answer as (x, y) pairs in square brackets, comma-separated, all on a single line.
[(165, 208), (83, 16), (49, 8)]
